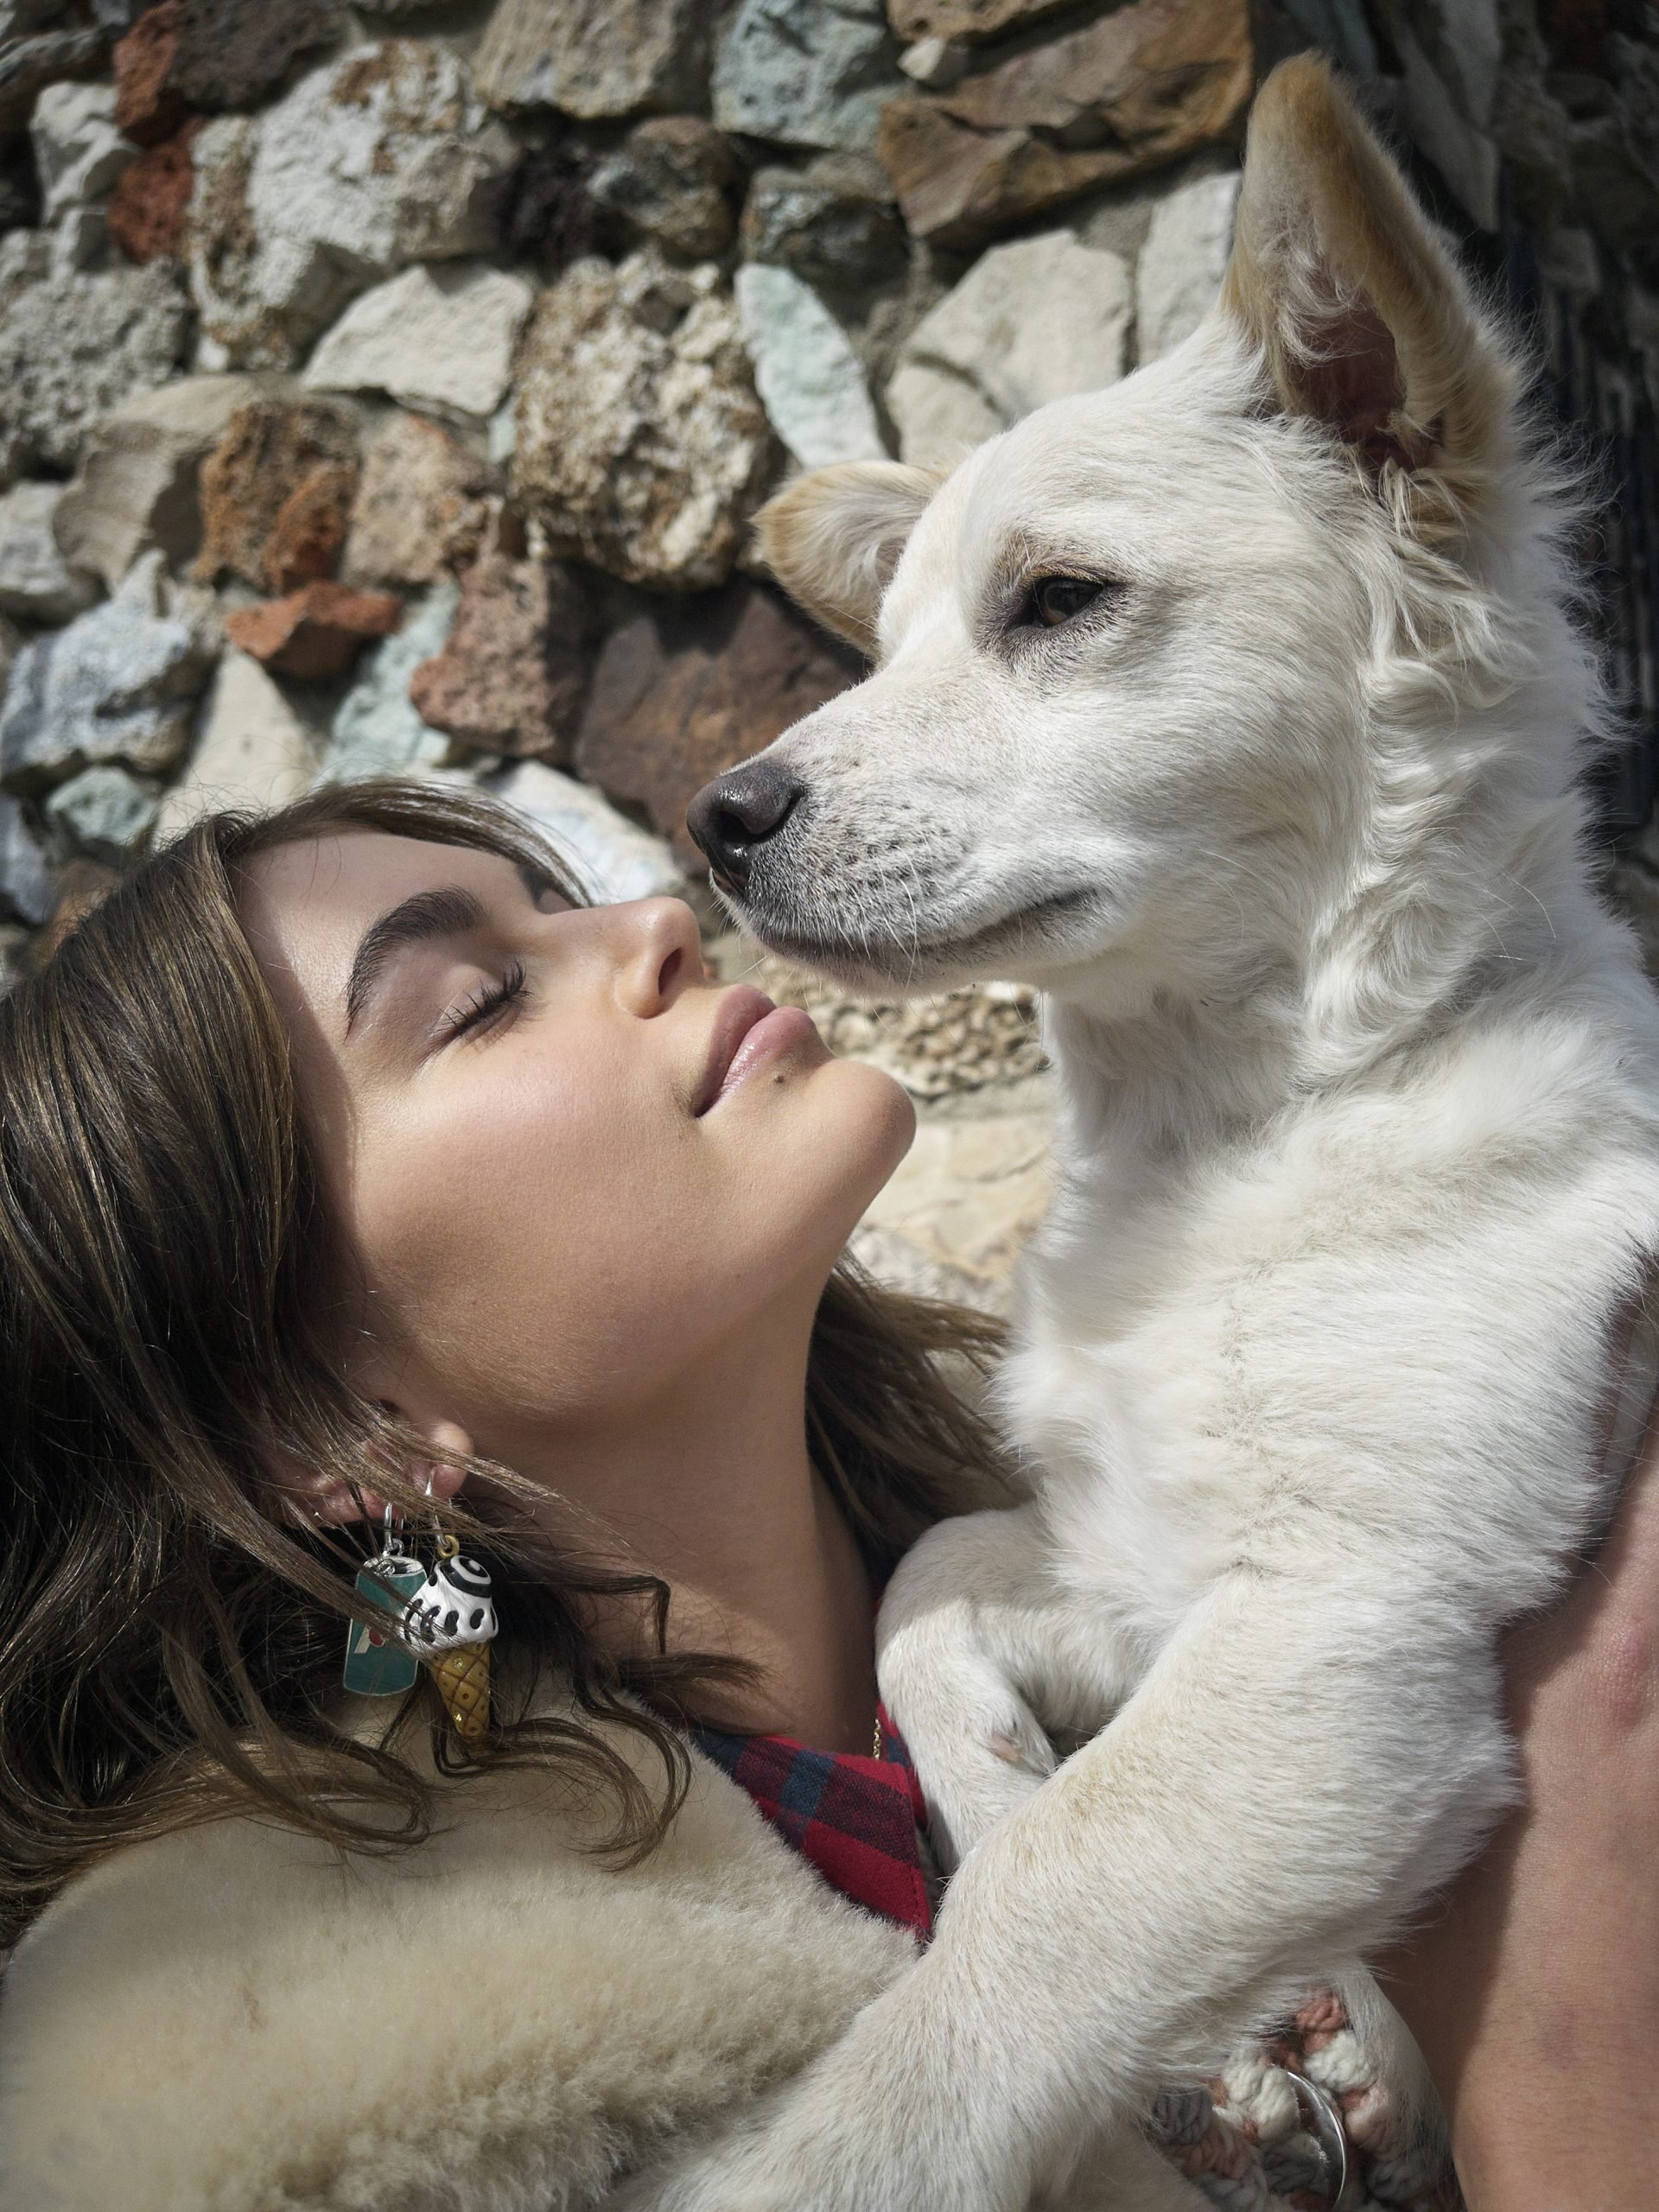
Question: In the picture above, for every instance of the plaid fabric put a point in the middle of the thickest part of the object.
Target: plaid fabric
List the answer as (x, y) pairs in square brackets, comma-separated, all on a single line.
[(858, 1820)]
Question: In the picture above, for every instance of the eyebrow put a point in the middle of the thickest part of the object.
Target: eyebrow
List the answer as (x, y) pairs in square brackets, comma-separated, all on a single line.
[(428, 914)]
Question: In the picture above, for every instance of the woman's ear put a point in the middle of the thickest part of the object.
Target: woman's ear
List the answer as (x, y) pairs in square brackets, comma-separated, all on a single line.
[(311, 1499), (1362, 317), (441, 1474), (833, 539)]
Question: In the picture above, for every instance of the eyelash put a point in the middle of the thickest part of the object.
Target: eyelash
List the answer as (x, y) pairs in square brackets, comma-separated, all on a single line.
[(484, 1005)]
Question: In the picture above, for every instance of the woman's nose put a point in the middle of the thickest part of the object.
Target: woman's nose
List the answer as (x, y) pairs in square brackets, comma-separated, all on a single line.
[(662, 952)]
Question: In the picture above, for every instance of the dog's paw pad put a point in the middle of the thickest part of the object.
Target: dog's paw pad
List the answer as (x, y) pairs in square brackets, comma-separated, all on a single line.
[(1021, 1747)]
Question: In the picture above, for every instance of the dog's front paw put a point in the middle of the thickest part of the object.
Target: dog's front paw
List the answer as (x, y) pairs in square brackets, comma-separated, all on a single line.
[(972, 1635), (980, 1751), (979, 1775)]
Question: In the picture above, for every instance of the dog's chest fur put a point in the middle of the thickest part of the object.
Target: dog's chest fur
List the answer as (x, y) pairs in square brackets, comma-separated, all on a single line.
[(1322, 1318)]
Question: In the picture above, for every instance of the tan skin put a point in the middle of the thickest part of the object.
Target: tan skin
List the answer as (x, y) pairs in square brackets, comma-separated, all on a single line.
[(1535, 1991), (656, 1390), (657, 1395)]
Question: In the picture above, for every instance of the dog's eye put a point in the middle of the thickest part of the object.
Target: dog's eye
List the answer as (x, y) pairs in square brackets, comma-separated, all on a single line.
[(1054, 600)]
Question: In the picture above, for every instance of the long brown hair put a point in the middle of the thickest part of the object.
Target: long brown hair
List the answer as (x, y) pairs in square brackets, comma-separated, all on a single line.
[(168, 1645)]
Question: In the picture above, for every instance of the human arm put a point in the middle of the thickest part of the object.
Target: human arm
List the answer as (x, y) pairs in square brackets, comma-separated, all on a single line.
[(1533, 1990)]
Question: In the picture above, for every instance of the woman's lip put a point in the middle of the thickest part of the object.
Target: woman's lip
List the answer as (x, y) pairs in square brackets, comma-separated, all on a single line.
[(772, 1034), (739, 1009)]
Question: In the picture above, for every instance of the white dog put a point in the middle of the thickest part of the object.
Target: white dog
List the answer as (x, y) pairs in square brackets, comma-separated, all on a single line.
[(1238, 707)]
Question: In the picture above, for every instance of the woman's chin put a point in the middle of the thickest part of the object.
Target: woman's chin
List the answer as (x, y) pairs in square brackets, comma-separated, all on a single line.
[(818, 1166), (864, 1123), (877, 1107)]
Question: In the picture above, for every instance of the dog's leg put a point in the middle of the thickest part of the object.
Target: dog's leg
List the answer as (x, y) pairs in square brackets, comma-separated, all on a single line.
[(1311, 1754), (1122, 2173), (980, 1653), (1119, 2171)]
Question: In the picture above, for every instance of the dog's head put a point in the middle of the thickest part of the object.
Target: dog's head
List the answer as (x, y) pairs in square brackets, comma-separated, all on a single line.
[(1124, 717)]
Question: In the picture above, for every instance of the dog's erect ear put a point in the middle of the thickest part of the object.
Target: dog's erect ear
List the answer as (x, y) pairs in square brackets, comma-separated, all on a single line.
[(833, 539), (1364, 319)]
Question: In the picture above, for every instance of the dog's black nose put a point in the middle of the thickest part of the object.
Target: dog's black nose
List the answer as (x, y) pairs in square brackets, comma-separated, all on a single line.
[(739, 811)]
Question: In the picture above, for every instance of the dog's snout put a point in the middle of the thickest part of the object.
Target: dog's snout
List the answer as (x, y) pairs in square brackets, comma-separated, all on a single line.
[(738, 812)]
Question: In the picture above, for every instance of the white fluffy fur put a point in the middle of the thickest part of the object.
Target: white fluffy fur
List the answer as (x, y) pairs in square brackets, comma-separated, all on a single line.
[(1355, 1162), (228, 2020)]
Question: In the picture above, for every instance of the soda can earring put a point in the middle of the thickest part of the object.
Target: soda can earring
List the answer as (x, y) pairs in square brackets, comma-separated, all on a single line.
[(450, 1621), (378, 1662)]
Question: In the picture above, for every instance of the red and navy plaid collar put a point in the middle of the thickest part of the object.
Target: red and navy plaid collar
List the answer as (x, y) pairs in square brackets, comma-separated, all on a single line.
[(858, 1820)]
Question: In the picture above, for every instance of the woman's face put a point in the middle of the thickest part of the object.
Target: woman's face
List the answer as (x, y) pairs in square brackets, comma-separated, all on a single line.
[(569, 1170)]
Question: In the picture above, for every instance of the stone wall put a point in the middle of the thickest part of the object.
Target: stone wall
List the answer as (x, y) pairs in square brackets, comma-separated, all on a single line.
[(389, 387)]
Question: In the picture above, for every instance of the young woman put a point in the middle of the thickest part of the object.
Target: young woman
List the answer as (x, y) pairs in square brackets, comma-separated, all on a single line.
[(360, 1189)]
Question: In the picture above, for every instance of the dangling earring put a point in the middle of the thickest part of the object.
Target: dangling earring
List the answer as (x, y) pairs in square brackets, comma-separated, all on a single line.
[(378, 1663), (451, 1621)]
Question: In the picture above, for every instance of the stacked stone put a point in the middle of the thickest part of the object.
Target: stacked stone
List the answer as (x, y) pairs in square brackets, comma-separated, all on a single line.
[(1561, 97), (399, 404), (390, 387), (378, 398)]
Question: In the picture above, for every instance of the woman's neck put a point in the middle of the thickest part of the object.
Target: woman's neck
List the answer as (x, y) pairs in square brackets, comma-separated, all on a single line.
[(716, 1492), (802, 1613)]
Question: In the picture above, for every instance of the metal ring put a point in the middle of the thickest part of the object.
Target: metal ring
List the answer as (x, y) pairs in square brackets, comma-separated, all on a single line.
[(1318, 2109)]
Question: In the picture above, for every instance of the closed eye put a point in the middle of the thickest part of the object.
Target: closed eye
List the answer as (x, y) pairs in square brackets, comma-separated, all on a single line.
[(482, 1008)]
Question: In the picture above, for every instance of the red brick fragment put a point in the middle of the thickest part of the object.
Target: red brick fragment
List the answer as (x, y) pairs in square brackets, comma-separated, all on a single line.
[(511, 677), (147, 109), (276, 493), (146, 208), (314, 632)]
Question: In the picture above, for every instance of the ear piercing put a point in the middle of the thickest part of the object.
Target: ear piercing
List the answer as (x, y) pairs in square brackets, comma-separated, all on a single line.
[(442, 1613), (451, 1621)]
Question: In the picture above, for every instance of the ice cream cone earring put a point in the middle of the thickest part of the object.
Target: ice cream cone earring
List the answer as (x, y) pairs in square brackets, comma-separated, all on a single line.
[(450, 1622)]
